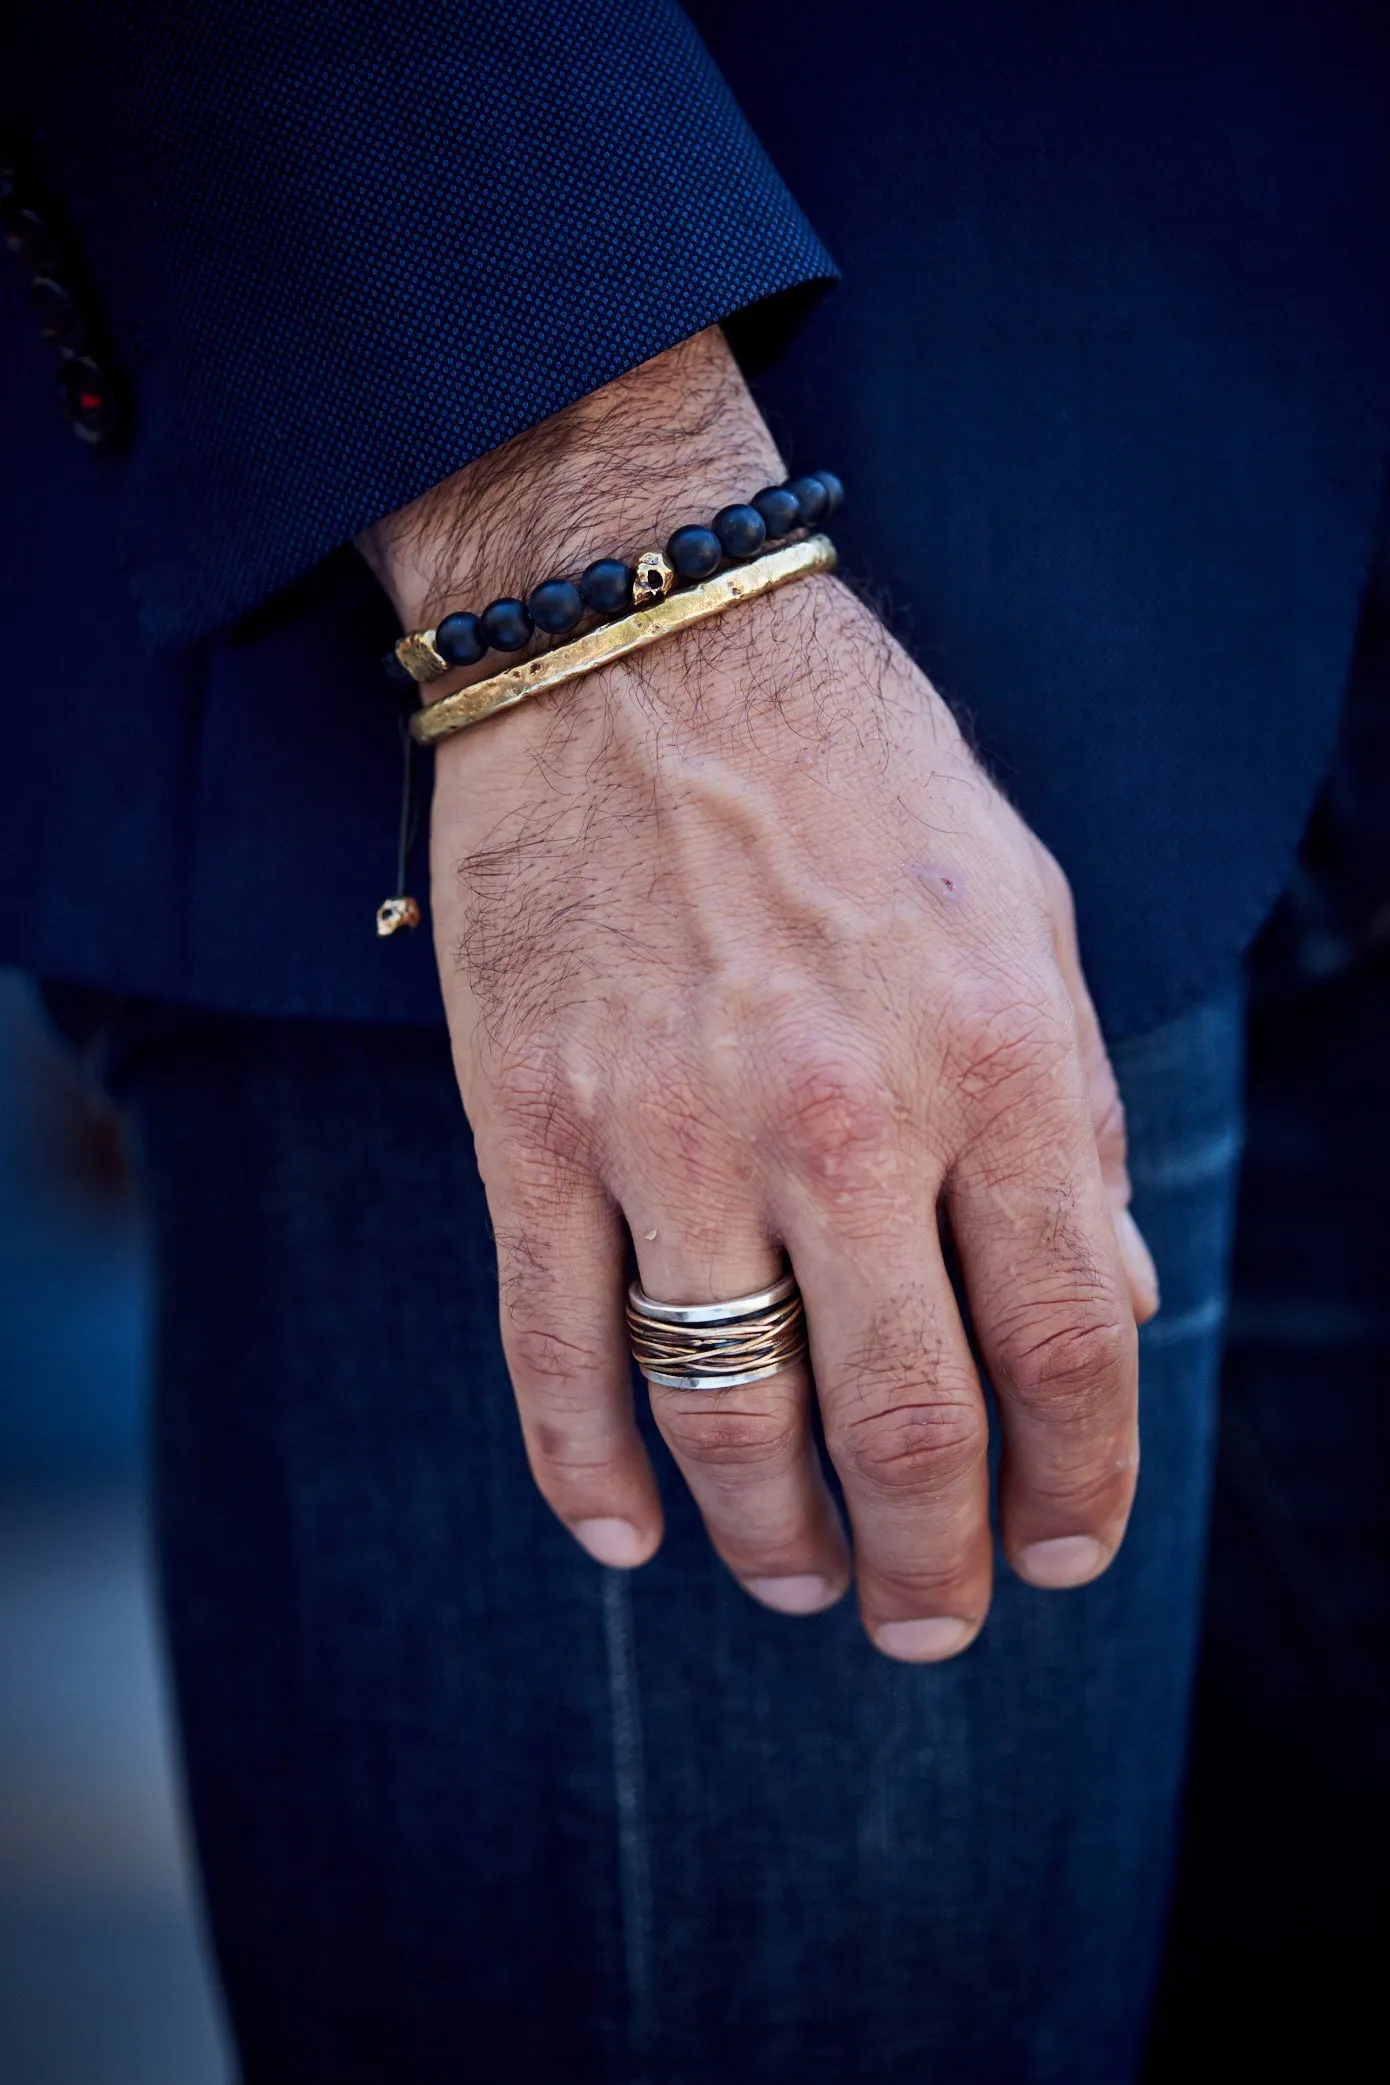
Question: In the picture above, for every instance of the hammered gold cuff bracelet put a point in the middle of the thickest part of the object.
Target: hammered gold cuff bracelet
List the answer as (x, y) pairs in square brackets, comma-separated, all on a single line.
[(631, 633)]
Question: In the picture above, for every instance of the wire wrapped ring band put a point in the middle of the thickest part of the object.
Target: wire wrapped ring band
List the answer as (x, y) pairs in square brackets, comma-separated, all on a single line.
[(713, 1346)]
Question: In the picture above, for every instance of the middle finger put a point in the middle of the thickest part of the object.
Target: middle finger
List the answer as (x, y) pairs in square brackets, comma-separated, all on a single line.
[(906, 1427)]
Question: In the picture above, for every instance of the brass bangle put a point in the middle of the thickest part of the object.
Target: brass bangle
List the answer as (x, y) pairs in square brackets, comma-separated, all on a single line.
[(630, 633)]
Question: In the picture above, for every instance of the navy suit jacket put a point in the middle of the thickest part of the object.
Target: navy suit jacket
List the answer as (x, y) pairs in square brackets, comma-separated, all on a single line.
[(1107, 375)]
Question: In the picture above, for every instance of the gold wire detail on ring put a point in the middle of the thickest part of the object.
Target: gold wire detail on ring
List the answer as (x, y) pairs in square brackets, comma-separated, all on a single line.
[(713, 1346), (615, 640)]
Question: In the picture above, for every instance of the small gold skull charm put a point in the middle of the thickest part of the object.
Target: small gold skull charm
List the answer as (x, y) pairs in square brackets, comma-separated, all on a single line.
[(395, 914), (420, 657), (653, 576)]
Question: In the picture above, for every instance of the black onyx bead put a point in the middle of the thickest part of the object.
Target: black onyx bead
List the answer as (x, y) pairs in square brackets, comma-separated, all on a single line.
[(460, 639), (834, 492), (395, 672), (741, 530), (607, 586), (58, 318), (87, 398), (694, 552), (812, 500), (555, 606), (506, 625), (779, 510)]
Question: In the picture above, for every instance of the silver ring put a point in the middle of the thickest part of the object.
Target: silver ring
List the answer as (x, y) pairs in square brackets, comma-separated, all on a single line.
[(716, 1346), (710, 1313), (747, 1375)]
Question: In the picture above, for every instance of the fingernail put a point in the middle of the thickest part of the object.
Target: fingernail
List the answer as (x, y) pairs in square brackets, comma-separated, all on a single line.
[(614, 1542), (806, 1593), (1066, 1560), (935, 1636), (1139, 1266)]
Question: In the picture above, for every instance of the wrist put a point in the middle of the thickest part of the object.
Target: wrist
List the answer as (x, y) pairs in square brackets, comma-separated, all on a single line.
[(761, 684), (611, 474)]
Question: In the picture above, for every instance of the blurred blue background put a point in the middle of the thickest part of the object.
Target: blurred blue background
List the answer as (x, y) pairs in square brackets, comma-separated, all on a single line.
[(103, 1974)]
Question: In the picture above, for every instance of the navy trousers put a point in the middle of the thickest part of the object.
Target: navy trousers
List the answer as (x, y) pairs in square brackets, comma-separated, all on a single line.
[(470, 1807), (1277, 1965)]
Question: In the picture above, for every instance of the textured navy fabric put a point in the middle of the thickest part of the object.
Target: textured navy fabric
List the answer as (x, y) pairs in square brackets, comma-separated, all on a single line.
[(349, 248), (1277, 1957), (1109, 372), (1108, 377)]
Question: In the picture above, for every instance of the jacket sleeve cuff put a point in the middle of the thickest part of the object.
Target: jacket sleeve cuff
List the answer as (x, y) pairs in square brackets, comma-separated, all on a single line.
[(382, 242)]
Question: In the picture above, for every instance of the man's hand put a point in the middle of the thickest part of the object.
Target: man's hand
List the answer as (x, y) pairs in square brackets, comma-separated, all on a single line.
[(743, 954)]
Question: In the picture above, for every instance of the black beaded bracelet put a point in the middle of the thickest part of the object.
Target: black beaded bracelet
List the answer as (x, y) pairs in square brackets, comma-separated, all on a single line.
[(610, 587)]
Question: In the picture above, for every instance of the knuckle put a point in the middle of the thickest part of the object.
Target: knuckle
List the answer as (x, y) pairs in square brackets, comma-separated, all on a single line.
[(948, 1581), (736, 1442), (1004, 1041), (535, 1143), (546, 1099), (1066, 1363), (670, 1121), (922, 1449), (829, 1110), (577, 1446), (1088, 1492), (545, 1360), (564, 1465)]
